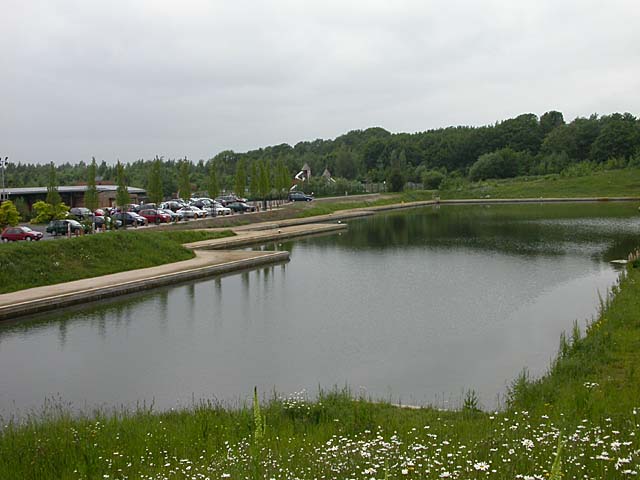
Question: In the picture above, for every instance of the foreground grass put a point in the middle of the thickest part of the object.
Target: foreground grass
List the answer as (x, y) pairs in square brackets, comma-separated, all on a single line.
[(589, 401), (26, 265), (612, 183)]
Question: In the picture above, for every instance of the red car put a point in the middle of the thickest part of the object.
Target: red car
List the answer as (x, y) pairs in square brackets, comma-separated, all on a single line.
[(13, 234), (154, 216)]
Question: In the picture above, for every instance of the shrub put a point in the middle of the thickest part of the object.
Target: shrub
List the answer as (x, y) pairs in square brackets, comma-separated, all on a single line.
[(8, 214), (45, 212), (432, 179), (499, 164)]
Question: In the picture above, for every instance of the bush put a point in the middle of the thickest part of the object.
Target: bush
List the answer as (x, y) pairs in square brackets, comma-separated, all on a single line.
[(395, 180), (499, 164), (581, 169), (551, 163), (8, 214), (45, 212), (432, 179)]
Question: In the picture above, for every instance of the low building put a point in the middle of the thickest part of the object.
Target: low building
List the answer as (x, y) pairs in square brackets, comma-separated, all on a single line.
[(72, 196)]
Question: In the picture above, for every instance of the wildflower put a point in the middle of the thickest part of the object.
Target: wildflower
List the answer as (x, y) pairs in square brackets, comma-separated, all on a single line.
[(482, 466), (528, 444)]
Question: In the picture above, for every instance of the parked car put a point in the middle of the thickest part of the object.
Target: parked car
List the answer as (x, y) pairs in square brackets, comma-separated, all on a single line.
[(299, 197), (175, 216), (130, 218), (241, 207), (81, 213), (221, 209), (62, 227), (155, 216), (189, 211), (100, 222), (172, 205), (230, 198), (14, 234)]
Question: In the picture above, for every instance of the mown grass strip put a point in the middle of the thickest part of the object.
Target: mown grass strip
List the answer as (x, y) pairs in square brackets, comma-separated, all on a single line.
[(26, 265)]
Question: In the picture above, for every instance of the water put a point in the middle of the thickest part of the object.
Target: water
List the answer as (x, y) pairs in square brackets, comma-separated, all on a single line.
[(414, 306)]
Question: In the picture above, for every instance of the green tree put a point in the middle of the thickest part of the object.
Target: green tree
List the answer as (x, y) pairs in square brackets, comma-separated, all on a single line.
[(265, 181), (91, 195), (346, 164), (241, 178), (53, 197), (122, 192), (184, 180), (561, 139), (254, 183), (213, 187), (154, 183), (549, 121), (23, 208), (282, 180), (396, 173), (9, 214), (619, 137)]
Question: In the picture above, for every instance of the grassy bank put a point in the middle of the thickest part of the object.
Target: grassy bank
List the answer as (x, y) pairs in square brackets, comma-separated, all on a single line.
[(612, 183), (26, 265), (590, 401)]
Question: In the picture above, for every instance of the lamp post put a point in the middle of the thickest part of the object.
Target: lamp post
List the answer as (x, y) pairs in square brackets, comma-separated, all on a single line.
[(3, 164)]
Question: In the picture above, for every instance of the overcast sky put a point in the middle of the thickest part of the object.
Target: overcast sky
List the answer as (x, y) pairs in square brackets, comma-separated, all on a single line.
[(131, 79)]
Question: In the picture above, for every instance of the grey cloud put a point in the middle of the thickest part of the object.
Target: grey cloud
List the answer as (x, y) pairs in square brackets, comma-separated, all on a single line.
[(127, 80)]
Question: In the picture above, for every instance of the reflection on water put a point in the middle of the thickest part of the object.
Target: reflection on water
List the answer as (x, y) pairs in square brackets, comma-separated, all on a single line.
[(413, 306)]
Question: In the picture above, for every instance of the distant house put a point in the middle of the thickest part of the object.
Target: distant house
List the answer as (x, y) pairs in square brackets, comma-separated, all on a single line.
[(73, 196), (304, 174), (327, 176)]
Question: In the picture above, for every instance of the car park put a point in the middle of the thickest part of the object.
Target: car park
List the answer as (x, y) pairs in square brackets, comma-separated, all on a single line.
[(241, 207), (299, 197), (63, 227), (15, 234)]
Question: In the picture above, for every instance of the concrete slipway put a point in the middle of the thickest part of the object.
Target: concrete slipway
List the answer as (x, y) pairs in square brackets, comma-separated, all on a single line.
[(209, 260)]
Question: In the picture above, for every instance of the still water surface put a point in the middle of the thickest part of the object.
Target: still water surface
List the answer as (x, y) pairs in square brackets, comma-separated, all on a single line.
[(414, 306)]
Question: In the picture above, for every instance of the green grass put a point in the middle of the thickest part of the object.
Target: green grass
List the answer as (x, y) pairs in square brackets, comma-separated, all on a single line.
[(26, 265), (612, 183), (590, 399)]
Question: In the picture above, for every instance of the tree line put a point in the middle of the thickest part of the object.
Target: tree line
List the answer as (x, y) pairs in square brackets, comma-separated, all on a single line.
[(524, 145)]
